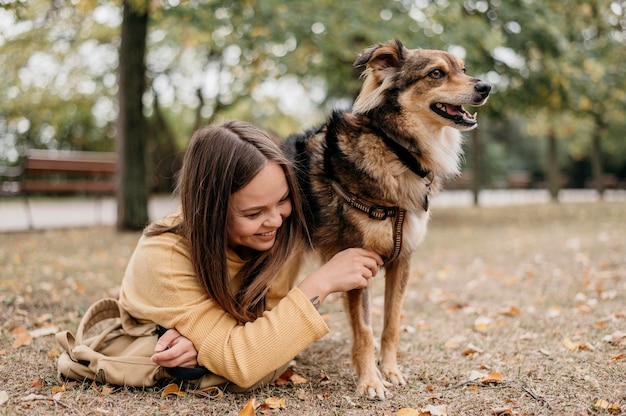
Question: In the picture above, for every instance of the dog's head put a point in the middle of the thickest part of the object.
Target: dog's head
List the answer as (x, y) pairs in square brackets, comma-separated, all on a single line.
[(429, 84)]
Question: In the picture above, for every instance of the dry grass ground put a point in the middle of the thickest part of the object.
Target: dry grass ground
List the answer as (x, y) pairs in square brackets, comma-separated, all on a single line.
[(535, 295)]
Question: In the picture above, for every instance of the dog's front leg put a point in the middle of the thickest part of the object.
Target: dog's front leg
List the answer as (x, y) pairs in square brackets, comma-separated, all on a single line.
[(369, 380), (396, 278)]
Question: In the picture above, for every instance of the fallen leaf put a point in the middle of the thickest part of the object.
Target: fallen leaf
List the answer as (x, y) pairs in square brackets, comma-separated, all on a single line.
[(407, 411), (502, 411), (553, 312), (284, 378), (275, 402), (22, 340), (492, 377), (604, 405), (477, 375), (249, 408), (616, 338), (482, 323), (472, 349), (435, 410), (575, 346), (172, 389), (618, 357), (512, 311), (58, 389), (37, 383), (454, 342), (296, 379)]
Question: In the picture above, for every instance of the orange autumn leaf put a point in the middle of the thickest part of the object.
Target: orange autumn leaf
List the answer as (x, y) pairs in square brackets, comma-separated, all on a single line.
[(284, 377), (58, 389), (492, 377), (407, 411), (37, 383), (249, 408), (22, 340)]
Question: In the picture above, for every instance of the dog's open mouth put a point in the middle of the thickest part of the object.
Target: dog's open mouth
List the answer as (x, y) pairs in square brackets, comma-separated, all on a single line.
[(456, 113)]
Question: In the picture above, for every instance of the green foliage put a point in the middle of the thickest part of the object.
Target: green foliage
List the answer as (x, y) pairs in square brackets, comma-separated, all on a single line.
[(554, 65)]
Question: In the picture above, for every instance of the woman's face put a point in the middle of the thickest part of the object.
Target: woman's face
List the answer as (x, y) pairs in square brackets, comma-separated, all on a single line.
[(258, 209)]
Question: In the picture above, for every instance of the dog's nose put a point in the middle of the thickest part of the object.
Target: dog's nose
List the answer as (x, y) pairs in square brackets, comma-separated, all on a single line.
[(482, 88)]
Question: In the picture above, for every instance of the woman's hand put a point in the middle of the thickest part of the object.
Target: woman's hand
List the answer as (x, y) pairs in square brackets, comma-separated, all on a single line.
[(174, 350), (349, 269)]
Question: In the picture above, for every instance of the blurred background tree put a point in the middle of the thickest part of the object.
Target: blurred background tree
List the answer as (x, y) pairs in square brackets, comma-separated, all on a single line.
[(554, 118)]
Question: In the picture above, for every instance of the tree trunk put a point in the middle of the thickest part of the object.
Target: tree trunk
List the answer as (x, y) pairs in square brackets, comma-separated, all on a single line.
[(596, 159), (132, 190), (553, 166), (475, 147)]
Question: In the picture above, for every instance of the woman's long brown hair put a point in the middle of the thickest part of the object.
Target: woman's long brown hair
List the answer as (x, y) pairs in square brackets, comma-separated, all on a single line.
[(220, 160)]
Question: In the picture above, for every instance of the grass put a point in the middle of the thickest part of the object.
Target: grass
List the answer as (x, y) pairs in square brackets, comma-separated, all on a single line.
[(531, 294)]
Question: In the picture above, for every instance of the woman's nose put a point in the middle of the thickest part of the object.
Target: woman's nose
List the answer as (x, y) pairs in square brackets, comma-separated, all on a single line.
[(275, 218)]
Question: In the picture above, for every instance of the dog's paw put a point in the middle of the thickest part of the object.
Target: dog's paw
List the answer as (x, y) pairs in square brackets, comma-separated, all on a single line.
[(394, 376), (374, 388)]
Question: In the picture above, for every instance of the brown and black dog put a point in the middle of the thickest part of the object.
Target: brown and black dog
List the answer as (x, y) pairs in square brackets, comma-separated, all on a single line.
[(367, 176)]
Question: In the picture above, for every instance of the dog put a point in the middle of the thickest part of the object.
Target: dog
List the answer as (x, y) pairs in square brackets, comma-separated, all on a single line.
[(367, 177)]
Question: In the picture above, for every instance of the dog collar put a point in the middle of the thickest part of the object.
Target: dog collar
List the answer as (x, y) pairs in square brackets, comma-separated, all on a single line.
[(377, 212), (404, 153)]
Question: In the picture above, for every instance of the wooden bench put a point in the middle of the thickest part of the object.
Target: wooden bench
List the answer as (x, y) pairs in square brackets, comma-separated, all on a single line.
[(49, 172)]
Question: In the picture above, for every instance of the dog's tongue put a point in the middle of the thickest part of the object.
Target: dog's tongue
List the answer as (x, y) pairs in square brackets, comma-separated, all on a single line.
[(458, 111)]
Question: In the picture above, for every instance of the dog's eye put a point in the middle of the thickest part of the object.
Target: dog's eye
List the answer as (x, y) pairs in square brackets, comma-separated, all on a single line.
[(437, 74)]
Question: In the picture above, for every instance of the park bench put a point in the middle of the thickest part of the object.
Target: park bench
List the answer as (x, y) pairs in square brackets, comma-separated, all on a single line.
[(50, 172)]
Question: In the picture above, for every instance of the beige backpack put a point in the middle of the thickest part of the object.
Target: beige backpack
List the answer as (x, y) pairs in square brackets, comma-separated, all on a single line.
[(118, 353)]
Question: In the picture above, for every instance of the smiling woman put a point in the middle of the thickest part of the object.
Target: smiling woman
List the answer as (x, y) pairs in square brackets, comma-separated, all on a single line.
[(216, 272)]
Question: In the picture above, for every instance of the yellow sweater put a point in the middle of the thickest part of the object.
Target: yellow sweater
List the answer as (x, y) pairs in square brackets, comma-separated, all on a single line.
[(160, 286)]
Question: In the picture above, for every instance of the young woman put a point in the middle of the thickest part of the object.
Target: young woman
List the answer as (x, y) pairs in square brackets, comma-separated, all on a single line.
[(214, 273)]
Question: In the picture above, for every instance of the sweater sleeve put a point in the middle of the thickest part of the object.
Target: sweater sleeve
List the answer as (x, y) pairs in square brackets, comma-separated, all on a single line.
[(161, 286)]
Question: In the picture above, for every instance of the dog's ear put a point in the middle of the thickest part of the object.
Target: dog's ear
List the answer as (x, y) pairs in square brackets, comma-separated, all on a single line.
[(381, 62), (381, 56)]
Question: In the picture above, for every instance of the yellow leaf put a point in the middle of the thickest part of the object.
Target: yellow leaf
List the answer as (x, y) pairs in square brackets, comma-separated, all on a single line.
[(570, 345), (602, 404), (172, 389), (275, 402), (58, 389), (483, 324), (575, 346)]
